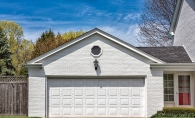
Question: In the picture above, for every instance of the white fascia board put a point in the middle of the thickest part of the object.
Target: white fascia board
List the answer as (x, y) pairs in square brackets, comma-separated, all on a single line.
[(36, 65), (173, 66), (175, 17), (134, 49), (96, 77), (89, 34)]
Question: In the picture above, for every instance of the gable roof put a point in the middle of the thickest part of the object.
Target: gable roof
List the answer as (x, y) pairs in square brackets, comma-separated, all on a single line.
[(173, 54), (89, 33)]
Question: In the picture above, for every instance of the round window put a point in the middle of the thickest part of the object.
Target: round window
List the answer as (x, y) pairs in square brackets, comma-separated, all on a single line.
[(96, 51)]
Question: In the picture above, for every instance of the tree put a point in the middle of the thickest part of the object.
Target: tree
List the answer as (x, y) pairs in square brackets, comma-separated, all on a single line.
[(20, 48), (67, 36), (6, 67), (49, 41), (44, 44), (156, 21), (25, 50), (13, 31)]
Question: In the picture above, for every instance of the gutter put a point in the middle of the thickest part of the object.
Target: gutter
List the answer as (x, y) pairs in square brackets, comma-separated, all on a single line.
[(175, 18), (173, 66), (35, 65)]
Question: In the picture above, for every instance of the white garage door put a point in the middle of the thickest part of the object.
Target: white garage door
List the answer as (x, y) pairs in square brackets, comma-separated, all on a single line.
[(96, 97)]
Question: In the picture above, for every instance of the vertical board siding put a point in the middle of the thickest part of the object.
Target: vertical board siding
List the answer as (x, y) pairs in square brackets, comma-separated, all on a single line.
[(13, 95)]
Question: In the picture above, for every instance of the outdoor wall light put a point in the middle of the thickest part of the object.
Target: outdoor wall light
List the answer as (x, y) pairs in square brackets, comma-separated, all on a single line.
[(95, 64)]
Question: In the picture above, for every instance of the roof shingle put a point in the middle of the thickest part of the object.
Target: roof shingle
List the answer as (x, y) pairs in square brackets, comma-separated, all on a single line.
[(173, 54)]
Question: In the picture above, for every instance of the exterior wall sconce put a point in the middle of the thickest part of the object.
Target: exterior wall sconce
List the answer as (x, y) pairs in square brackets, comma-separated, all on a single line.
[(95, 64)]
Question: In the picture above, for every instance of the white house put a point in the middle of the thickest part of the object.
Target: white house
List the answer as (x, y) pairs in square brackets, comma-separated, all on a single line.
[(183, 26), (99, 75)]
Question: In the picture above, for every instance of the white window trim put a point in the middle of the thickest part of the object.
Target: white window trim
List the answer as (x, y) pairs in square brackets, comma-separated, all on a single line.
[(173, 88), (101, 50)]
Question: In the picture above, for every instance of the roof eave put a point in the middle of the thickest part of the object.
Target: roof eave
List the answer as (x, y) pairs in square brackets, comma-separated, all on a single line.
[(173, 66), (33, 66)]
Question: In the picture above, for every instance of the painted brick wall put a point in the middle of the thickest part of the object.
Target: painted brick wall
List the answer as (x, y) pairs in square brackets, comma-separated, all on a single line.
[(77, 60), (36, 98), (115, 60), (155, 93), (185, 30)]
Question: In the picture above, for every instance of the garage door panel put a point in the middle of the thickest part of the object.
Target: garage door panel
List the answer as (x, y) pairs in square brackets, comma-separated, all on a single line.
[(90, 101), (66, 110), (124, 101), (67, 101), (102, 92), (136, 92), (89, 111), (96, 97), (55, 111), (112, 101), (101, 101), (101, 111), (113, 111), (78, 111), (55, 101), (90, 92), (136, 111), (124, 92), (112, 92), (67, 92), (137, 102), (78, 92), (55, 92), (124, 111)]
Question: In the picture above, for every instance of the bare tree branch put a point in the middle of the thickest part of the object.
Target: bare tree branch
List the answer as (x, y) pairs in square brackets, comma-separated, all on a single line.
[(156, 21)]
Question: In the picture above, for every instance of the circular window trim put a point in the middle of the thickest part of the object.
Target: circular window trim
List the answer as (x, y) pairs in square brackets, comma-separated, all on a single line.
[(99, 53)]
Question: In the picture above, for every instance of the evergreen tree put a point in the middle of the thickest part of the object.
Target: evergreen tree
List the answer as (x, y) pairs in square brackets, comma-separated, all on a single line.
[(6, 67), (48, 41)]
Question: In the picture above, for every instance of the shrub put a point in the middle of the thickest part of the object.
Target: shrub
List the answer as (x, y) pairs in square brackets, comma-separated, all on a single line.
[(175, 112)]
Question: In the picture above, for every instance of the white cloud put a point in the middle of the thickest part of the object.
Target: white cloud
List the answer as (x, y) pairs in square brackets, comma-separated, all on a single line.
[(126, 34), (131, 16), (22, 17), (34, 26), (32, 35), (34, 22)]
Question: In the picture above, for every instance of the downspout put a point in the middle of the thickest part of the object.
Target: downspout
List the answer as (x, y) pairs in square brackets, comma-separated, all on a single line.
[(175, 19)]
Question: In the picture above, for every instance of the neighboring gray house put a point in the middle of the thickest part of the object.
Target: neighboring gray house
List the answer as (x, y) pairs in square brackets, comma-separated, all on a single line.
[(99, 75)]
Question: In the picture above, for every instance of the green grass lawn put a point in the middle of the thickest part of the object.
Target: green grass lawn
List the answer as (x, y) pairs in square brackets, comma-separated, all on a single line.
[(17, 117)]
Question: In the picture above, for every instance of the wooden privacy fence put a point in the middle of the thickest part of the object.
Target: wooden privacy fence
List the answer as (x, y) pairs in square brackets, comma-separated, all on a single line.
[(13, 95)]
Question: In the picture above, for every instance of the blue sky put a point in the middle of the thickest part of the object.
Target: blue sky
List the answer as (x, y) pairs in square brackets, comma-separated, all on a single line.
[(117, 17)]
